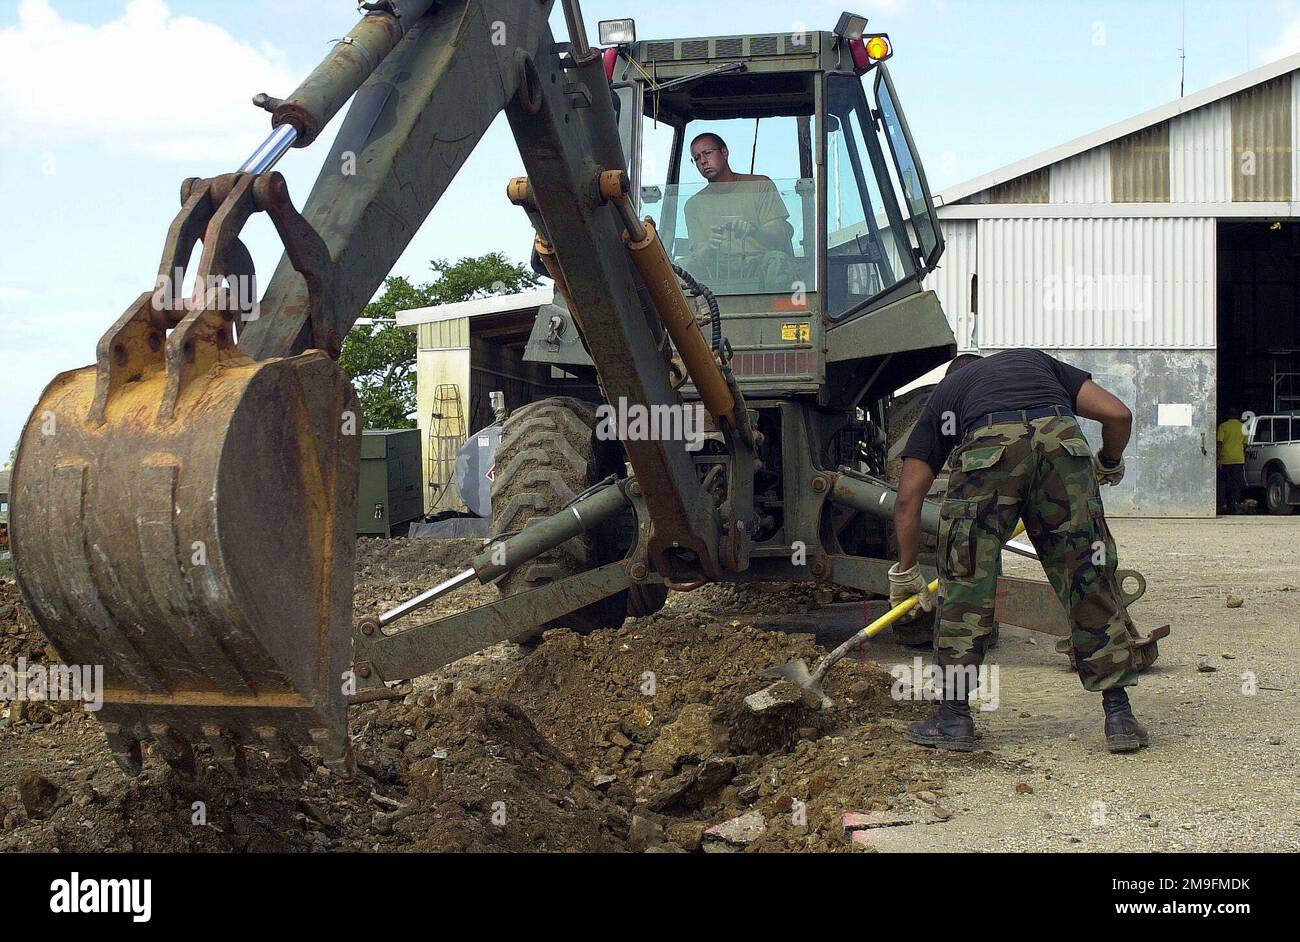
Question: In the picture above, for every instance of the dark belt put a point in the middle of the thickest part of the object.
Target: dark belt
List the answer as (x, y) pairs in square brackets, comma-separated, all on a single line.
[(1017, 415)]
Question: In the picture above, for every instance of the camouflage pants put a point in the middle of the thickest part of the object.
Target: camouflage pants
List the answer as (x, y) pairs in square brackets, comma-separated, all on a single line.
[(1041, 472)]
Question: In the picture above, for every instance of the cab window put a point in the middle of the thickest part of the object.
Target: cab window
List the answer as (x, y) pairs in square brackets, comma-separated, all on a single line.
[(753, 235)]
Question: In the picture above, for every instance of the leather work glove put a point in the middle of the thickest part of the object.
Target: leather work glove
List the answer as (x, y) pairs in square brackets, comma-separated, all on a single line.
[(904, 585), (1108, 471)]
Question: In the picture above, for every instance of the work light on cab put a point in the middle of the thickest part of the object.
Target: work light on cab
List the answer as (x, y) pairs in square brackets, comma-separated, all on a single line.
[(617, 32), (851, 26)]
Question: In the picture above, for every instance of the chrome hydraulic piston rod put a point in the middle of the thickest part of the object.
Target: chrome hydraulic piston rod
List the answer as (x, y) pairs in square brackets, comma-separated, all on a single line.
[(874, 496), (502, 556)]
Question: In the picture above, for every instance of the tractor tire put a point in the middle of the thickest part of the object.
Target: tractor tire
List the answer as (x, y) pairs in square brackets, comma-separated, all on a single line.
[(1277, 495), (549, 455)]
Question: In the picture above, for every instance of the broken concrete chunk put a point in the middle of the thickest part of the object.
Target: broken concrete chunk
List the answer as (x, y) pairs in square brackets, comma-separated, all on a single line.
[(736, 834), (783, 693)]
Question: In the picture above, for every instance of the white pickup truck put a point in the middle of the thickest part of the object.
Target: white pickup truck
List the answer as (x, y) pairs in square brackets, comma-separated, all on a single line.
[(1273, 460)]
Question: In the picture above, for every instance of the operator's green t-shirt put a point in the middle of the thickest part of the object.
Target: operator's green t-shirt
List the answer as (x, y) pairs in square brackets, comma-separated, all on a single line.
[(751, 197), (1232, 436)]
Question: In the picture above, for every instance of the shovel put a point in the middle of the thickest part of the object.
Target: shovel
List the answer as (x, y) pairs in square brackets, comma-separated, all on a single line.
[(797, 672)]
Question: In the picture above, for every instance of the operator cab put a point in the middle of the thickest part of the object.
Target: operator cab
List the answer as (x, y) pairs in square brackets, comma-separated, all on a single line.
[(826, 209)]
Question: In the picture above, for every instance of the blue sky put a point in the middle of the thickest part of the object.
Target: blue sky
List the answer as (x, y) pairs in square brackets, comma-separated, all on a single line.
[(106, 105)]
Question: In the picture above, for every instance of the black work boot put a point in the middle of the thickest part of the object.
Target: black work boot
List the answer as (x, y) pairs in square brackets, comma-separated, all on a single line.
[(951, 727), (1123, 732)]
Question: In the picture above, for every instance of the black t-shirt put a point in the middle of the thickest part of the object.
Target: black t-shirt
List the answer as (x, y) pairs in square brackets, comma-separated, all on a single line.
[(1012, 379)]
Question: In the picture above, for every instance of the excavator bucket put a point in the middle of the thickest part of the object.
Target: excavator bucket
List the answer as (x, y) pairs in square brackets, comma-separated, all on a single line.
[(183, 516)]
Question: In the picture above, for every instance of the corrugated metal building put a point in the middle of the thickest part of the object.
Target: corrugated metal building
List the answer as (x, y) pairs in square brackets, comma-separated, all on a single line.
[(1161, 253)]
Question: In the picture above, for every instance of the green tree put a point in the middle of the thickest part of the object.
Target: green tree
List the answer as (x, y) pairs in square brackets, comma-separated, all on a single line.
[(379, 358)]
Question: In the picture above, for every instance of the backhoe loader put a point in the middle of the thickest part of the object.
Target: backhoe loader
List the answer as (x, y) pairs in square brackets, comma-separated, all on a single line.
[(182, 508)]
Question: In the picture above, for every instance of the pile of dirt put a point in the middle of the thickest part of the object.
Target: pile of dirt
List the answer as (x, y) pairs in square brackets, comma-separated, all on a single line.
[(640, 738), (659, 715), (19, 636)]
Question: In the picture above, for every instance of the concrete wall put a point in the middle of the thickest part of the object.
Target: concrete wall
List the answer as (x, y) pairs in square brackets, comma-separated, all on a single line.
[(1166, 473)]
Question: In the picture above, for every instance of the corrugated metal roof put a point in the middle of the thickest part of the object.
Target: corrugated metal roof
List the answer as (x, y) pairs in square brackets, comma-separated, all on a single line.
[(1261, 142), (1121, 129), (497, 304), (1082, 179), (1096, 283), (1139, 166), (1200, 155)]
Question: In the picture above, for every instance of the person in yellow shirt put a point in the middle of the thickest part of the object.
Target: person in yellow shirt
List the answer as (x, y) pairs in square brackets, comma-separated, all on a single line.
[(1230, 453)]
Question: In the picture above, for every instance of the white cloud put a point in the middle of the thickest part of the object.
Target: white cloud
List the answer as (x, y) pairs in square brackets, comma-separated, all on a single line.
[(1286, 43), (147, 83)]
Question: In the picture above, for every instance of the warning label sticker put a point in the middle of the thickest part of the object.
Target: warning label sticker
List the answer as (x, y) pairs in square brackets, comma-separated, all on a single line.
[(797, 332)]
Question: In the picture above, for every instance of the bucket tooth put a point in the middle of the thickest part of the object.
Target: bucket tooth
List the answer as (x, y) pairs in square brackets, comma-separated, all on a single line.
[(175, 748), (335, 750), (226, 750), (126, 748), (282, 752)]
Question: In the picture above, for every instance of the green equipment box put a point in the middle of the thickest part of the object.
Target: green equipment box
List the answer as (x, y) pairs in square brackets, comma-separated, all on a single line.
[(389, 494)]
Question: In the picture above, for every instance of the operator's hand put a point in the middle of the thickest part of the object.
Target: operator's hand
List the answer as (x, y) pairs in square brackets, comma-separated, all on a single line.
[(905, 584), (725, 234), (743, 228), (1109, 470)]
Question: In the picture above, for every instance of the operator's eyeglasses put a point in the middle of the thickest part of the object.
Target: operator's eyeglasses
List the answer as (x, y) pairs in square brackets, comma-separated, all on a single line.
[(702, 154)]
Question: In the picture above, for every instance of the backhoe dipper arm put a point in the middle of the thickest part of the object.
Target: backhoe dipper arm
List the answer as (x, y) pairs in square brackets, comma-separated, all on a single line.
[(418, 112), (412, 125), (184, 507)]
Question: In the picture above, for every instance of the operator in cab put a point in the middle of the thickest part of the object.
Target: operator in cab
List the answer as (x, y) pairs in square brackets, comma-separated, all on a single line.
[(737, 226)]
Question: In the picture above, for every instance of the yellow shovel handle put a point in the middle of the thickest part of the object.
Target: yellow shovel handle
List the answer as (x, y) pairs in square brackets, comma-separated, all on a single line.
[(905, 606)]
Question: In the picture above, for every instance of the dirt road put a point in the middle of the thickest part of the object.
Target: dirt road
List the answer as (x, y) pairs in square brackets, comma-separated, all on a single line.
[(1222, 772)]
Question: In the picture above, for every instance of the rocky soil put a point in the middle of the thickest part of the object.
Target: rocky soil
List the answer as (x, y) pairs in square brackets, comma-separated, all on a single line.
[(629, 740), (640, 740)]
